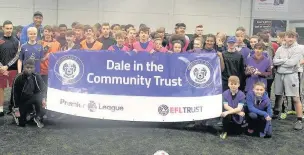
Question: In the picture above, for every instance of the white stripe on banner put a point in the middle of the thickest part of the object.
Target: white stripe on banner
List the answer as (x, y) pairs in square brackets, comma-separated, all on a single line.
[(135, 108)]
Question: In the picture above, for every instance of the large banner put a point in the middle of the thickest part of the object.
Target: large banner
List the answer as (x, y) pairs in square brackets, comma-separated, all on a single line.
[(271, 5), (273, 26), (157, 87)]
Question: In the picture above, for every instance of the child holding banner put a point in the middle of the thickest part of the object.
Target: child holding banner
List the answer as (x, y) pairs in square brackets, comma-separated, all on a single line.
[(143, 45), (70, 37), (78, 29), (131, 38), (260, 111), (90, 43), (233, 115), (258, 67), (120, 39), (158, 47)]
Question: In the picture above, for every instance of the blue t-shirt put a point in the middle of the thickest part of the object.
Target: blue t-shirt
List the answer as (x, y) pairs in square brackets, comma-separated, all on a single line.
[(34, 52)]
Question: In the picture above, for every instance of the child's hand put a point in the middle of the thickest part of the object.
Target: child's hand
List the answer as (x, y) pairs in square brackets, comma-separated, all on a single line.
[(135, 50), (152, 51), (220, 54), (43, 103), (257, 72), (241, 113), (224, 114), (268, 118)]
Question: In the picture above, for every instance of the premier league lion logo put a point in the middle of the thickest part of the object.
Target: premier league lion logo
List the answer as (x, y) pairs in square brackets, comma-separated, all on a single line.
[(92, 106), (69, 69), (198, 73)]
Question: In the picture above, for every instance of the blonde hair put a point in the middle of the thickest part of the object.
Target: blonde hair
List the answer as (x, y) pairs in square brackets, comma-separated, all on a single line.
[(32, 29), (259, 84), (234, 79)]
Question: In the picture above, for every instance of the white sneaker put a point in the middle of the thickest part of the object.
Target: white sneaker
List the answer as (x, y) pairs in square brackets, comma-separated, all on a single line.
[(38, 122)]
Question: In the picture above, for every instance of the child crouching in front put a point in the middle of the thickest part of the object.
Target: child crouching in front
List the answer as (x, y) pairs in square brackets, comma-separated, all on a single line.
[(233, 115), (260, 111)]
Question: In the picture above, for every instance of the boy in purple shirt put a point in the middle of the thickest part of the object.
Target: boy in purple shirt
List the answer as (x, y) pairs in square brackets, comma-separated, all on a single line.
[(260, 111), (258, 67), (31, 50), (233, 115)]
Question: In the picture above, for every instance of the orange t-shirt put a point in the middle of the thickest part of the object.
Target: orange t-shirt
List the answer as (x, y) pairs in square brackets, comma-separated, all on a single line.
[(97, 45), (53, 46)]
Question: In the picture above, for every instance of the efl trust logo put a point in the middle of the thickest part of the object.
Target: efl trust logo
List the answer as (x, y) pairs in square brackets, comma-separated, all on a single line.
[(164, 110)]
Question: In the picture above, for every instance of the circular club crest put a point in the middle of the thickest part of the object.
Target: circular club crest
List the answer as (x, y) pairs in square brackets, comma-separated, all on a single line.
[(69, 69), (198, 73), (163, 110)]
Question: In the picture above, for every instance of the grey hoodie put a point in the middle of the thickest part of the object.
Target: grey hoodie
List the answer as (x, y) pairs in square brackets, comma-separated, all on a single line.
[(287, 59)]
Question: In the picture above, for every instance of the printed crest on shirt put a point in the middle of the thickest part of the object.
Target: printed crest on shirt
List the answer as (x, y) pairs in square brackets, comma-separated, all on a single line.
[(198, 73), (69, 69)]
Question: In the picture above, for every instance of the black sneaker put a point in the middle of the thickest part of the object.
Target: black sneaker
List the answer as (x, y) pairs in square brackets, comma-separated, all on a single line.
[(1, 114)]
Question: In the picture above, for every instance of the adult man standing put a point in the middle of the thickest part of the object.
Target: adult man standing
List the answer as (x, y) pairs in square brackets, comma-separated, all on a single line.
[(9, 46), (38, 18)]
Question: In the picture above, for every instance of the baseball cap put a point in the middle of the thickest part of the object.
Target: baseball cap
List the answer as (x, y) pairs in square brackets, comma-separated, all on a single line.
[(180, 25), (231, 39), (38, 13)]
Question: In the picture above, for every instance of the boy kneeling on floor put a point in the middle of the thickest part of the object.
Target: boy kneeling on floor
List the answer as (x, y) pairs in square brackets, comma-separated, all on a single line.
[(28, 95), (233, 115), (260, 111)]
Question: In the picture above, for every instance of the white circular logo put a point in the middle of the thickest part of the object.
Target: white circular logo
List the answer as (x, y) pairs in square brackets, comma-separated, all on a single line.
[(198, 73), (69, 69)]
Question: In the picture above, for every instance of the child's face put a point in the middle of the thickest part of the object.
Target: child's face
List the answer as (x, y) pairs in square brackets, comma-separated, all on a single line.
[(259, 90), (180, 30), (132, 35), (162, 35), (253, 41), (258, 51), (89, 33), (231, 45), (209, 43), (63, 31), (120, 40), (78, 33), (105, 30), (28, 69), (115, 29), (32, 35), (47, 33), (289, 40), (240, 37), (158, 44), (233, 86), (197, 44), (143, 35), (70, 38), (199, 31), (177, 48)]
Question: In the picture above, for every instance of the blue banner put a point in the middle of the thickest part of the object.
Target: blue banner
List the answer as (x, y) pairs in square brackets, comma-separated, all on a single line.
[(159, 87), (136, 74)]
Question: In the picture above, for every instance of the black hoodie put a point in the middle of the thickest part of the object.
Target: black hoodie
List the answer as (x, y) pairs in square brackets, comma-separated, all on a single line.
[(24, 87)]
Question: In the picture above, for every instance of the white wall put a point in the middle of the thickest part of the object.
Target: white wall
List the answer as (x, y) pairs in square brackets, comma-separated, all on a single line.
[(215, 15)]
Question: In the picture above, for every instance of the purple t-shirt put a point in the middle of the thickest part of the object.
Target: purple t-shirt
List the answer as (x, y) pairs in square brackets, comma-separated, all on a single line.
[(32, 51)]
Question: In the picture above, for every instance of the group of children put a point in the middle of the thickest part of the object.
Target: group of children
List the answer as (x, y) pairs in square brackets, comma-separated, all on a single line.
[(249, 65)]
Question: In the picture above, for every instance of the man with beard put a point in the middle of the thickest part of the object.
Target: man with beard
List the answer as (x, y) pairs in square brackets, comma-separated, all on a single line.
[(38, 18)]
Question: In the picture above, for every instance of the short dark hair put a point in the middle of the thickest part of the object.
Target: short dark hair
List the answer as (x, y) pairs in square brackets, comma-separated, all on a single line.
[(74, 24), (19, 28), (259, 45), (7, 22), (114, 25), (87, 27), (144, 29), (38, 13), (128, 26), (30, 61), (63, 25)]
